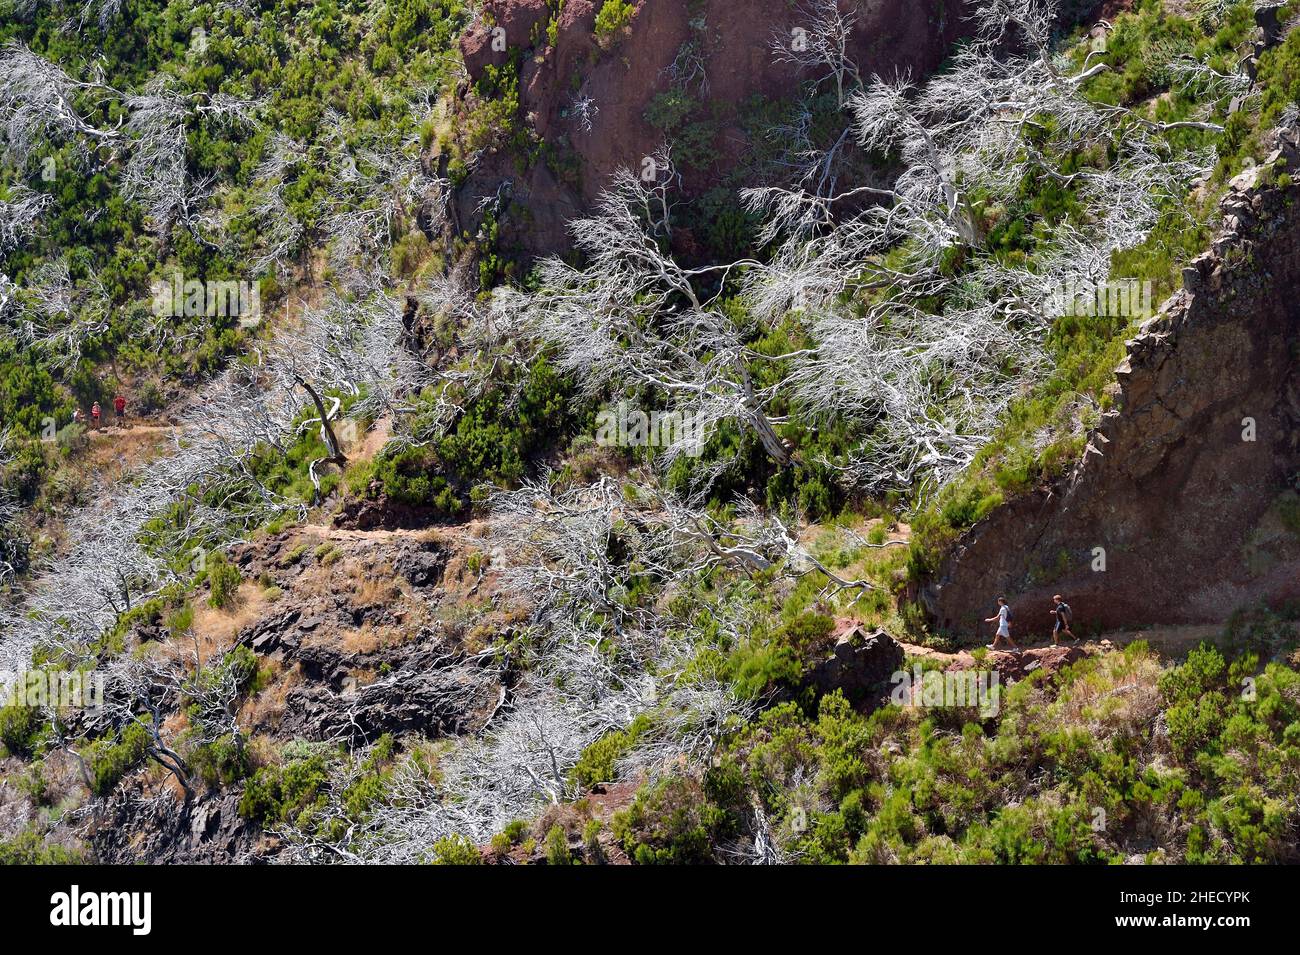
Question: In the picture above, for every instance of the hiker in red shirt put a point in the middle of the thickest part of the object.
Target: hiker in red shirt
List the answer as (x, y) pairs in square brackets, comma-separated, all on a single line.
[(94, 415), (119, 407)]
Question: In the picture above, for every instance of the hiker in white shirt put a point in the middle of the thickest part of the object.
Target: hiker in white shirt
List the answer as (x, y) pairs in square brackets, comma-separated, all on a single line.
[(1003, 618)]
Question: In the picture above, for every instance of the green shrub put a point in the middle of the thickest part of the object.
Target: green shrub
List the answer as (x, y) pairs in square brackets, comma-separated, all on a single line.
[(223, 581), (292, 793), (110, 760), (613, 18), (30, 848), (178, 622), (20, 727), (491, 442), (455, 850), (596, 764), (669, 823), (557, 847), (221, 762)]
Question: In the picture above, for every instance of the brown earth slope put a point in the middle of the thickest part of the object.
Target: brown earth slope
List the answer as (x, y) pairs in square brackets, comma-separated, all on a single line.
[(1195, 518)]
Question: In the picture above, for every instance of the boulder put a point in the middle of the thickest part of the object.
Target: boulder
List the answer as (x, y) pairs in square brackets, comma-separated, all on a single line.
[(421, 564), (859, 664)]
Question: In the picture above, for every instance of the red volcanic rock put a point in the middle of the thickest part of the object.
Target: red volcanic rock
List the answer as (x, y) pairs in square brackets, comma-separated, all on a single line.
[(622, 78)]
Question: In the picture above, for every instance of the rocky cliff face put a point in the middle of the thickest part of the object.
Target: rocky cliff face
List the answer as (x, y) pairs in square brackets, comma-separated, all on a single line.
[(1188, 490), (725, 47)]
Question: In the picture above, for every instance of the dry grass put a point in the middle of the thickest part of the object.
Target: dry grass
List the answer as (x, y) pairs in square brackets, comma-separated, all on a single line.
[(365, 639), (375, 589), (371, 442), (267, 708), (216, 629), (1119, 693), (114, 452)]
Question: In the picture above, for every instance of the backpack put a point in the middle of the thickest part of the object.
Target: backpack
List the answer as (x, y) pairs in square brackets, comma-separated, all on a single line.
[(1066, 613), (1009, 614)]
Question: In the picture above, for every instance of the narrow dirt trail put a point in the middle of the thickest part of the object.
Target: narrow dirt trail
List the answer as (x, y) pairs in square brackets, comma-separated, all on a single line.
[(110, 431), (330, 532), (1169, 642), (929, 653)]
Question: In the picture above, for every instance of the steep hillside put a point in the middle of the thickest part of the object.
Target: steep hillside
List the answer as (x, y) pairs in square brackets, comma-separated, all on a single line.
[(675, 546), (1184, 505), (599, 95)]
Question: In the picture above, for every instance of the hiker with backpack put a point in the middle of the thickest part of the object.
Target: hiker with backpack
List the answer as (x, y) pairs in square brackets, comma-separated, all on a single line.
[(1063, 614), (1003, 618)]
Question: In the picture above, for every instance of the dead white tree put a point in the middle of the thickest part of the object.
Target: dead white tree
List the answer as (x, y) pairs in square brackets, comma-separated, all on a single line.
[(142, 691), (39, 104), (60, 314), (358, 346), (574, 552), (11, 541), (20, 216), (212, 695), (280, 231), (633, 317), (819, 43), (102, 12), (112, 558), (582, 112), (156, 174), (865, 267), (374, 195), (571, 552)]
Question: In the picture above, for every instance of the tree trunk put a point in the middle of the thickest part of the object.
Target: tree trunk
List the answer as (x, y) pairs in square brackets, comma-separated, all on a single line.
[(331, 441)]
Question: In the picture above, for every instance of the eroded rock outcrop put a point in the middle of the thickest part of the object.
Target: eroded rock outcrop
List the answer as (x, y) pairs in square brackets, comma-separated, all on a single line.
[(1188, 489), (859, 665), (357, 633)]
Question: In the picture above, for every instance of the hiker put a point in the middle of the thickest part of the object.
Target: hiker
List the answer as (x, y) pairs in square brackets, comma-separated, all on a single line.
[(119, 407), (1062, 613), (78, 416), (94, 415), (1003, 618)]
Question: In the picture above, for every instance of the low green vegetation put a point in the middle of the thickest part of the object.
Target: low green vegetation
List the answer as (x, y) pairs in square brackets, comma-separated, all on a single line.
[(496, 439), (112, 758), (287, 794), (297, 791), (30, 848), (612, 20), (223, 581), (1198, 760), (596, 765)]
